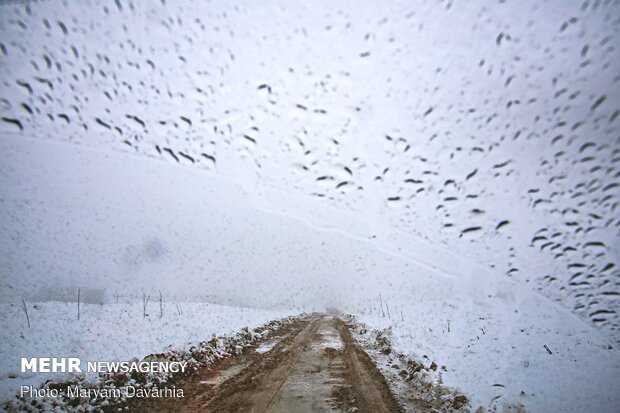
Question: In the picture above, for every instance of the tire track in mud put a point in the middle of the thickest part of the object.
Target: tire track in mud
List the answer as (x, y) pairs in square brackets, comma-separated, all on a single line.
[(254, 389), (370, 387), (202, 389)]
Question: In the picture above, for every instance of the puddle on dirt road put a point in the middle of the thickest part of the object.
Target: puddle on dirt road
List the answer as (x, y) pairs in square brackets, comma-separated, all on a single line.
[(330, 338), (267, 345), (237, 368), (225, 374)]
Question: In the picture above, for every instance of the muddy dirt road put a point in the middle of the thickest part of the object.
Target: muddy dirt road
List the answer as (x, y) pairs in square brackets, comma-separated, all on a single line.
[(312, 367)]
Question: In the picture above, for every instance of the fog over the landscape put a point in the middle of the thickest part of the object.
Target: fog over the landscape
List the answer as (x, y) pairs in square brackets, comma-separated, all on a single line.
[(462, 159)]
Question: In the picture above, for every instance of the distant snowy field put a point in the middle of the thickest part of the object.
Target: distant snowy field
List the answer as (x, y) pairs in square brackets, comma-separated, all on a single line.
[(110, 332)]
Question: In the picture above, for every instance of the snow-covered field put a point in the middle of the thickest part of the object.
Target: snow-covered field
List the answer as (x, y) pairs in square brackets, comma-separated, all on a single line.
[(496, 356), (109, 332)]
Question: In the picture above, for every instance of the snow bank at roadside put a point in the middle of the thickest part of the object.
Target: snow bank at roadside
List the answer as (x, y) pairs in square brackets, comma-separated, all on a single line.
[(111, 332), (414, 384)]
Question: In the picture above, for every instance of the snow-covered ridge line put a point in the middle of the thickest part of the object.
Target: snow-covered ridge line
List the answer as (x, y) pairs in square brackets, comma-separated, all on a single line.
[(345, 227), (106, 388)]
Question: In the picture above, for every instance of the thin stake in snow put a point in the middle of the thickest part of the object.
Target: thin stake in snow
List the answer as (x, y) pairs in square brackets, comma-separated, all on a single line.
[(145, 300), (547, 348), (381, 302), (26, 311), (161, 306), (78, 304)]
